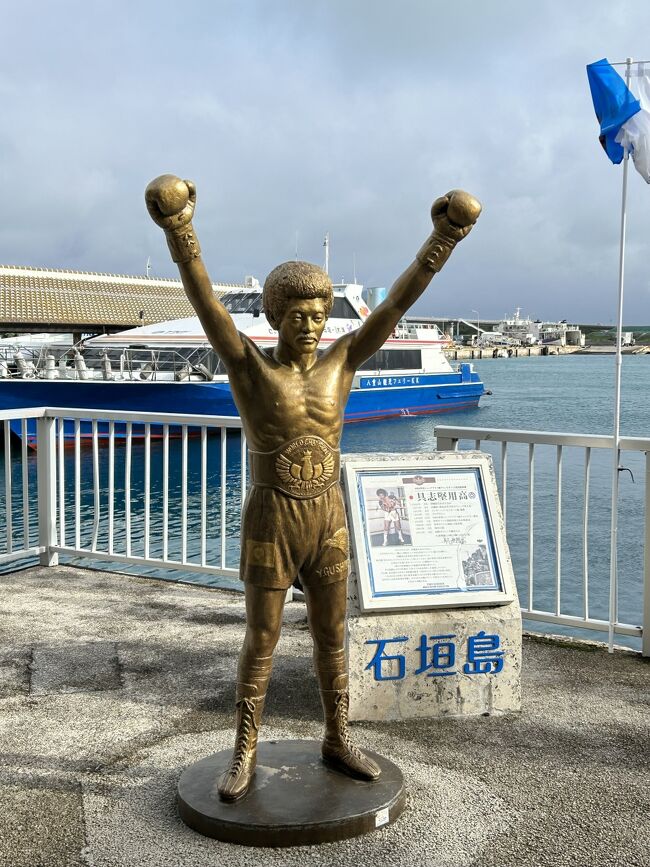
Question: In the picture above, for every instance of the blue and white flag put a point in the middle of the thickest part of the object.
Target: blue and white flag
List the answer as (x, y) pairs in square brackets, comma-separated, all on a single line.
[(623, 116)]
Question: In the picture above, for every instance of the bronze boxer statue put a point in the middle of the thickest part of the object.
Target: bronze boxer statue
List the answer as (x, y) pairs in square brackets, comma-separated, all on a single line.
[(291, 400)]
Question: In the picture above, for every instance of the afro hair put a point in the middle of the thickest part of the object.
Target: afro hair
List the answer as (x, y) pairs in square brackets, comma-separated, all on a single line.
[(294, 280)]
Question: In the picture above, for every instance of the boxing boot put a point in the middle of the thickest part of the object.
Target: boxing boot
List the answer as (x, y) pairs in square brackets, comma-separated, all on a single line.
[(236, 779), (338, 751)]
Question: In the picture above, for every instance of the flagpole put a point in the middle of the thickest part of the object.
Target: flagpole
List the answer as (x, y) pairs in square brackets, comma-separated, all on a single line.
[(613, 567)]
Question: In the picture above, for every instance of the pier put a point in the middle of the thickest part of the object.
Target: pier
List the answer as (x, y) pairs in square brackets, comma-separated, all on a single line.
[(471, 353), (464, 353), (110, 685)]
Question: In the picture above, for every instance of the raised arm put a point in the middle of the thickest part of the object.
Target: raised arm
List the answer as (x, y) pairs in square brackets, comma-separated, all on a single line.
[(171, 202), (453, 216)]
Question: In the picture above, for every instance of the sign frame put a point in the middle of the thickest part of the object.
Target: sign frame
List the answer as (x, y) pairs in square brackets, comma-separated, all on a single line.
[(358, 470)]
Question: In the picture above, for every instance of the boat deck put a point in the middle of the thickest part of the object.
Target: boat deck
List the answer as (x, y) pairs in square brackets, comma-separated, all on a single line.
[(110, 685)]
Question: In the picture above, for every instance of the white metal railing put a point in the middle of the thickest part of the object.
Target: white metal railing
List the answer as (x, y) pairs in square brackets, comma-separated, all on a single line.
[(117, 508), (166, 493), (540, 509), (25, 492)]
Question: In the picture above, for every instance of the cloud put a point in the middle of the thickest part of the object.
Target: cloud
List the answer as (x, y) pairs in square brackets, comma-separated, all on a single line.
[(312, 117)]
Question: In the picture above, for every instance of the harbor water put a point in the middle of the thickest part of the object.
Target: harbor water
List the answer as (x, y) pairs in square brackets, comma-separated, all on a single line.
[(569, 394)]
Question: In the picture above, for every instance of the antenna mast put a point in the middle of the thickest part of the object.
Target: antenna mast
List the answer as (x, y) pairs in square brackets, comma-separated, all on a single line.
[(326, 244)]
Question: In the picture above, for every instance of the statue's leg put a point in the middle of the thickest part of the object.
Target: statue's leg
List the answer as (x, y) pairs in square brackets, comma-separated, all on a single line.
[(326, 606), (263, 623)]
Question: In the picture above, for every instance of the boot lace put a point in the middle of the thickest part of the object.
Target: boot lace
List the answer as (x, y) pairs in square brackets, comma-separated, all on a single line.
[(341, 708), (245, 729)]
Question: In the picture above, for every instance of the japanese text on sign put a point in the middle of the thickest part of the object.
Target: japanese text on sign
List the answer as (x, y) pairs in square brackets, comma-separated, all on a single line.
[(436, 656), (427, 533)]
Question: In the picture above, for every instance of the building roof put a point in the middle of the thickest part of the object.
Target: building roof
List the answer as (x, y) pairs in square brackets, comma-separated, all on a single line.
[(48, 299)]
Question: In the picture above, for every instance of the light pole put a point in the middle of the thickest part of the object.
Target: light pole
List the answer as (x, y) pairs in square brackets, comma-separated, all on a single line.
[(478, 325)]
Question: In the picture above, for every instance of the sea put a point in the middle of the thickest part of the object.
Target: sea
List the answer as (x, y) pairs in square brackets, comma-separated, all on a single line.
[(568, 394)]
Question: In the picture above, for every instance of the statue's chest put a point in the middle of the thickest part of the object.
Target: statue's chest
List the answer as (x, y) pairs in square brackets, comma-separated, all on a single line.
[(285, 397), (312, 393)]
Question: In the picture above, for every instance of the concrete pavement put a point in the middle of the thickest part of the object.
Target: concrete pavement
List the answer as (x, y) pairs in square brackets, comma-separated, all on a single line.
[(110, 685)]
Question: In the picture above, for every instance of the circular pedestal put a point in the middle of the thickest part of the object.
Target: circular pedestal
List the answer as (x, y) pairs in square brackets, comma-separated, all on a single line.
[(294, 798)]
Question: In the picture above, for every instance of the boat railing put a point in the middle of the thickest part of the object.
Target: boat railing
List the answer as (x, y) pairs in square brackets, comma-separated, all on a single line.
[(556, 495), (405, 330), (163, 493), (18, 361), (82, 362)]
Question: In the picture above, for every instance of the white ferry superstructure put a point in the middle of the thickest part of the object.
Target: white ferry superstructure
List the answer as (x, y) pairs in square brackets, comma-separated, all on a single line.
[(170, 367)]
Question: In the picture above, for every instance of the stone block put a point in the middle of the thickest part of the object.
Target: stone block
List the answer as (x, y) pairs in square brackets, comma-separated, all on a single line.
[(434, 661), (461, 688)]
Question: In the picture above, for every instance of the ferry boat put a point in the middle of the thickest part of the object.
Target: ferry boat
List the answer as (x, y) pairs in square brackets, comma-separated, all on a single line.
[(170, 367), (528, 332)]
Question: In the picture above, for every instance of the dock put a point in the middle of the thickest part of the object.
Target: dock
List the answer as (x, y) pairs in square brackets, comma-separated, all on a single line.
[(477, 353), (111, 684)]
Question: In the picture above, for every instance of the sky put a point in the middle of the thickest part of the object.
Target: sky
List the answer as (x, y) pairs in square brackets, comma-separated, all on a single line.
[(298, 117)]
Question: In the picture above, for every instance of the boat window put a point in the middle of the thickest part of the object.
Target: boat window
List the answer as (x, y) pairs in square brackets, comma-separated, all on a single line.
[(251, 302), (242, 302), (394, 359), (342, 309)]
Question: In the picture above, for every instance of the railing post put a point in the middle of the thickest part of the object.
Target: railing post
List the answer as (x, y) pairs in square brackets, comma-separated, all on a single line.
[(446, 444), (645, 641), (46, 484)]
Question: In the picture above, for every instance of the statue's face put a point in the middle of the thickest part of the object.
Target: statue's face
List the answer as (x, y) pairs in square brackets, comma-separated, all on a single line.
[(302, 325)]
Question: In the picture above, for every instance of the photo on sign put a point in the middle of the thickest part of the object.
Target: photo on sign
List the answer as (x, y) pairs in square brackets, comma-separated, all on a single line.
[(388, 522)]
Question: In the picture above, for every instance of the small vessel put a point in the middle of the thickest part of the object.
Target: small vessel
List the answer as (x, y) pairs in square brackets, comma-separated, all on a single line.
[(170, 367)]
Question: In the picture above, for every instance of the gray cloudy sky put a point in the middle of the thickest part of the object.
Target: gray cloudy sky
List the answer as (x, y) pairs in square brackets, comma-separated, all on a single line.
[(347, 116)]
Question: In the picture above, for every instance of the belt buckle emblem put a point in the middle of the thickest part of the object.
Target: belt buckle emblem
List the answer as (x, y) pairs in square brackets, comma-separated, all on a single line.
[(306, 465)]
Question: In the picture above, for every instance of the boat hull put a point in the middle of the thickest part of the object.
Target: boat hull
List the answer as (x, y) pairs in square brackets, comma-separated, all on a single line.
[(373, 398)]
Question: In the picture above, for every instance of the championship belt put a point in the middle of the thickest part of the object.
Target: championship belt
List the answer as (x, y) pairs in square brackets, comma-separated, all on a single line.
[(302, 468)]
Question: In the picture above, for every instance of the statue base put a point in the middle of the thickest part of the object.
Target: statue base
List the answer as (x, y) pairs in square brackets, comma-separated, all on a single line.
[(294, 799)]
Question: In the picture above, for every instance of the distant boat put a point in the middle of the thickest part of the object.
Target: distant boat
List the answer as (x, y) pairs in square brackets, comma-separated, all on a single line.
[(528, 332), (170, 367)]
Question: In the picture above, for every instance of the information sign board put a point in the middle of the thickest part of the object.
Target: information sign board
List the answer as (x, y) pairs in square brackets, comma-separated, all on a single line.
[(428, 533)]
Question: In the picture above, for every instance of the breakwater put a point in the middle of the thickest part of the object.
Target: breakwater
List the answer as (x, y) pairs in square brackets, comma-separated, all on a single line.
[(475, 353), (471, 353)]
